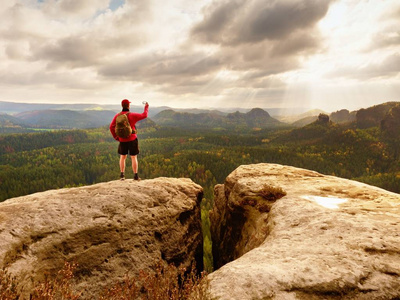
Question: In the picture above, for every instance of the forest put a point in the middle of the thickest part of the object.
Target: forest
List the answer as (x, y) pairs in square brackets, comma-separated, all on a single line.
[(39, 161), (34, 162)]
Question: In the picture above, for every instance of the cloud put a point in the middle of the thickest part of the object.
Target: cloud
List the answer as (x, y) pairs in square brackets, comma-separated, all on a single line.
[(134, 44), (89, 49), (389, 67), (64, 9), (55, 78), (217, 22), (271, 36), (73, 44), (161, 68), (73, 52), (176, 50), (387, 38), (237, 22), (388, 34)]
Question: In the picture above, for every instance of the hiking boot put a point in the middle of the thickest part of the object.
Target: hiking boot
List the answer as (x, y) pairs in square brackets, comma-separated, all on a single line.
[(136, 177), (122, 176)]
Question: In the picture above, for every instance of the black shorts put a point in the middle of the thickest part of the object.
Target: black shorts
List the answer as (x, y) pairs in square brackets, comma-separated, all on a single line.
[(131, 148)]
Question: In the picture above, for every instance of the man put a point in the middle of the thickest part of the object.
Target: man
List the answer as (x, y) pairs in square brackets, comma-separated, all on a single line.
[(128, 145)]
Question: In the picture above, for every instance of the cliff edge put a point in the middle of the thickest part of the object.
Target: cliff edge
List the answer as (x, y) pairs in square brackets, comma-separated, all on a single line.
[(281, 232), (109, 229)]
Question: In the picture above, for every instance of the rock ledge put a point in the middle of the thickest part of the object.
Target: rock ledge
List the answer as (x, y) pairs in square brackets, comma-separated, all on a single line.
[(327, 238), (109, 229)]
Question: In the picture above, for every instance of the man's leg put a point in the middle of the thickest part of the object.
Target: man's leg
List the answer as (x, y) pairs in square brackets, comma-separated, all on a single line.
[(122, 159), (135, 167)]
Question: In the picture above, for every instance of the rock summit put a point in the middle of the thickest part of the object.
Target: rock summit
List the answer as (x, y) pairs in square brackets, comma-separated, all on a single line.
[(109, 229), (281, 232)]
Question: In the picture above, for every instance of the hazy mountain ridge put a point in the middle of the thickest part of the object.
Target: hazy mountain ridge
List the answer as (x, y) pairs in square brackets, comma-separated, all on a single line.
[(383, 116), (11, 124), (12, 108), (256, 118), (291, 119), (343, 116), (83, 116), (7, 120), (372, 116), (65, 119), (340, 116)]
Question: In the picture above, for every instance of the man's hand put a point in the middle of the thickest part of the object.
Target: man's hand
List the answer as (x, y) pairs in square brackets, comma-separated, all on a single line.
[(146, 105)]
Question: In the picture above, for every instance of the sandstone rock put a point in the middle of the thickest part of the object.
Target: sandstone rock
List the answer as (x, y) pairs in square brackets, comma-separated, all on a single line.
[(323, 118), (328, 238), (109, 229)]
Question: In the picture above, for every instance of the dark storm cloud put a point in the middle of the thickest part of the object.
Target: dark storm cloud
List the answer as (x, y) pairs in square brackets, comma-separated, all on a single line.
[(219, 16), (278, 20), (254, 21), (296, 44), (269, 36)]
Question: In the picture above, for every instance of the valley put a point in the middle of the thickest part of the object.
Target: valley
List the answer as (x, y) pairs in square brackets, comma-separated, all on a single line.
[(365, 150)]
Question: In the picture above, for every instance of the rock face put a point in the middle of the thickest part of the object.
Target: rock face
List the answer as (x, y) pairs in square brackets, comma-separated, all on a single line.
[(323, 118), (109, 229), (327, 238)]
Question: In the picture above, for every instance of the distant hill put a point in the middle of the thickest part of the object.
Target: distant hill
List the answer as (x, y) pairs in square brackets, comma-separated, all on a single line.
[(68, 119), (7, 120), (184, 119), (305, 121), (385, 116), (67, 116), (257, 117), (372, 116), (390, 126), (10, 124), (65, 119), (292, 119), (311, 133), (340, 116), (343, 116), (13, 108), (201, 111), (364, 118)]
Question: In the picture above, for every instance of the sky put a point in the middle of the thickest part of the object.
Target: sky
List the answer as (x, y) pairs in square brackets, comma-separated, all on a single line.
[(325, 54)]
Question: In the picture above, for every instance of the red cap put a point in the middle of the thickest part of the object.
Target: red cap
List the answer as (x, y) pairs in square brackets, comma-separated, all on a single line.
[(125, 102)]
